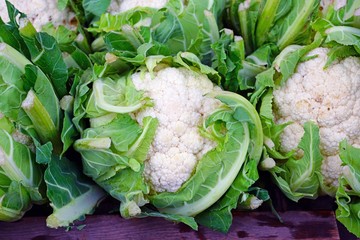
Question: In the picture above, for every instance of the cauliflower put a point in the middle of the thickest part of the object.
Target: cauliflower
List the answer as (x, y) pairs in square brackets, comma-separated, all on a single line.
[(177, 145), (119, 6), (166, 135), (40, 12), (329, 97)]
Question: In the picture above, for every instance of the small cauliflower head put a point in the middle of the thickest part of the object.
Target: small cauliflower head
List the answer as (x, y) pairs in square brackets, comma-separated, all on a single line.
[(180, 104), (118, 6), (329, 97), (41, 12)]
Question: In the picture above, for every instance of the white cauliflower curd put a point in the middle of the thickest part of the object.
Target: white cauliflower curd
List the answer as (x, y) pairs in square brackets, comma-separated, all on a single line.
[(329, 97), (180, 105), (40, 12)]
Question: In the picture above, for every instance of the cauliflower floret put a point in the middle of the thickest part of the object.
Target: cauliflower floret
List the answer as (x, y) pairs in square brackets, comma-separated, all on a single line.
[(332, 167), (177, 145), (40, 12), (329, 97), (118, 6)]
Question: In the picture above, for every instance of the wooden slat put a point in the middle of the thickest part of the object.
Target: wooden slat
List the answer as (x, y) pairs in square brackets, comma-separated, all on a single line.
[(246, 225)]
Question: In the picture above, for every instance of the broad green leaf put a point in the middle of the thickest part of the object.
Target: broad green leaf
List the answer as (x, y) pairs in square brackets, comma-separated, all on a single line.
[(128, 186), (68, 133), (289, 28), (190, 221), (348, 193), (43, 152), (114, 95), (14, 202), (18, 162), (45, 53), (191, 27), (298, 178), (248, 16), (123, 132), (140, 148), (10, 35), (12, 90), (61, 4), (219, 215), (96, 7), (71, 195), (344, 14), (340, 52), (108, 22), (348, 36), (266, 20)]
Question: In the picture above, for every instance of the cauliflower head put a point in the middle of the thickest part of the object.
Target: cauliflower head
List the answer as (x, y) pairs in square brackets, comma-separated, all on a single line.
[(180, 105), (329, 97), (41, 12)]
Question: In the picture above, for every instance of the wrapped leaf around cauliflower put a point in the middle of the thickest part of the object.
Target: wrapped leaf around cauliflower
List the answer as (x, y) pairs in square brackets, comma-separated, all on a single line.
[(166, 135)]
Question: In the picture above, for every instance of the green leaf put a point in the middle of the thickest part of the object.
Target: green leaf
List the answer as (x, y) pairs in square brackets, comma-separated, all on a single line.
[(96, 7), (43, 152), (61, 4), (10, 35), (248, 17), (175, 28), (68, 133), (190, 221), (228, 54), (299, 178), (129, 187), (339, 52), (12, 87), (18, 163), (37, 83), (348, 36), (289, 28), (116, 94), (14, 14), (46, 54), (6, 124), (123, 132), (219, 216), (266, 21), (71, 195), (108, 22), (345, 14), (348, 193), (139, 150), (14, 202), (192, 62)]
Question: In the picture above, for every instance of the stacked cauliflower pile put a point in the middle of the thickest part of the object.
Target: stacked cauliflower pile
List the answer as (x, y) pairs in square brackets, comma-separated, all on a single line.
[(40, 12), (180, 107), (330, 98)]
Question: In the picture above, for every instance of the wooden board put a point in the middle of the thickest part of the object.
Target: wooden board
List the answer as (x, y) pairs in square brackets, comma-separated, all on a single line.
[(246, 225)]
